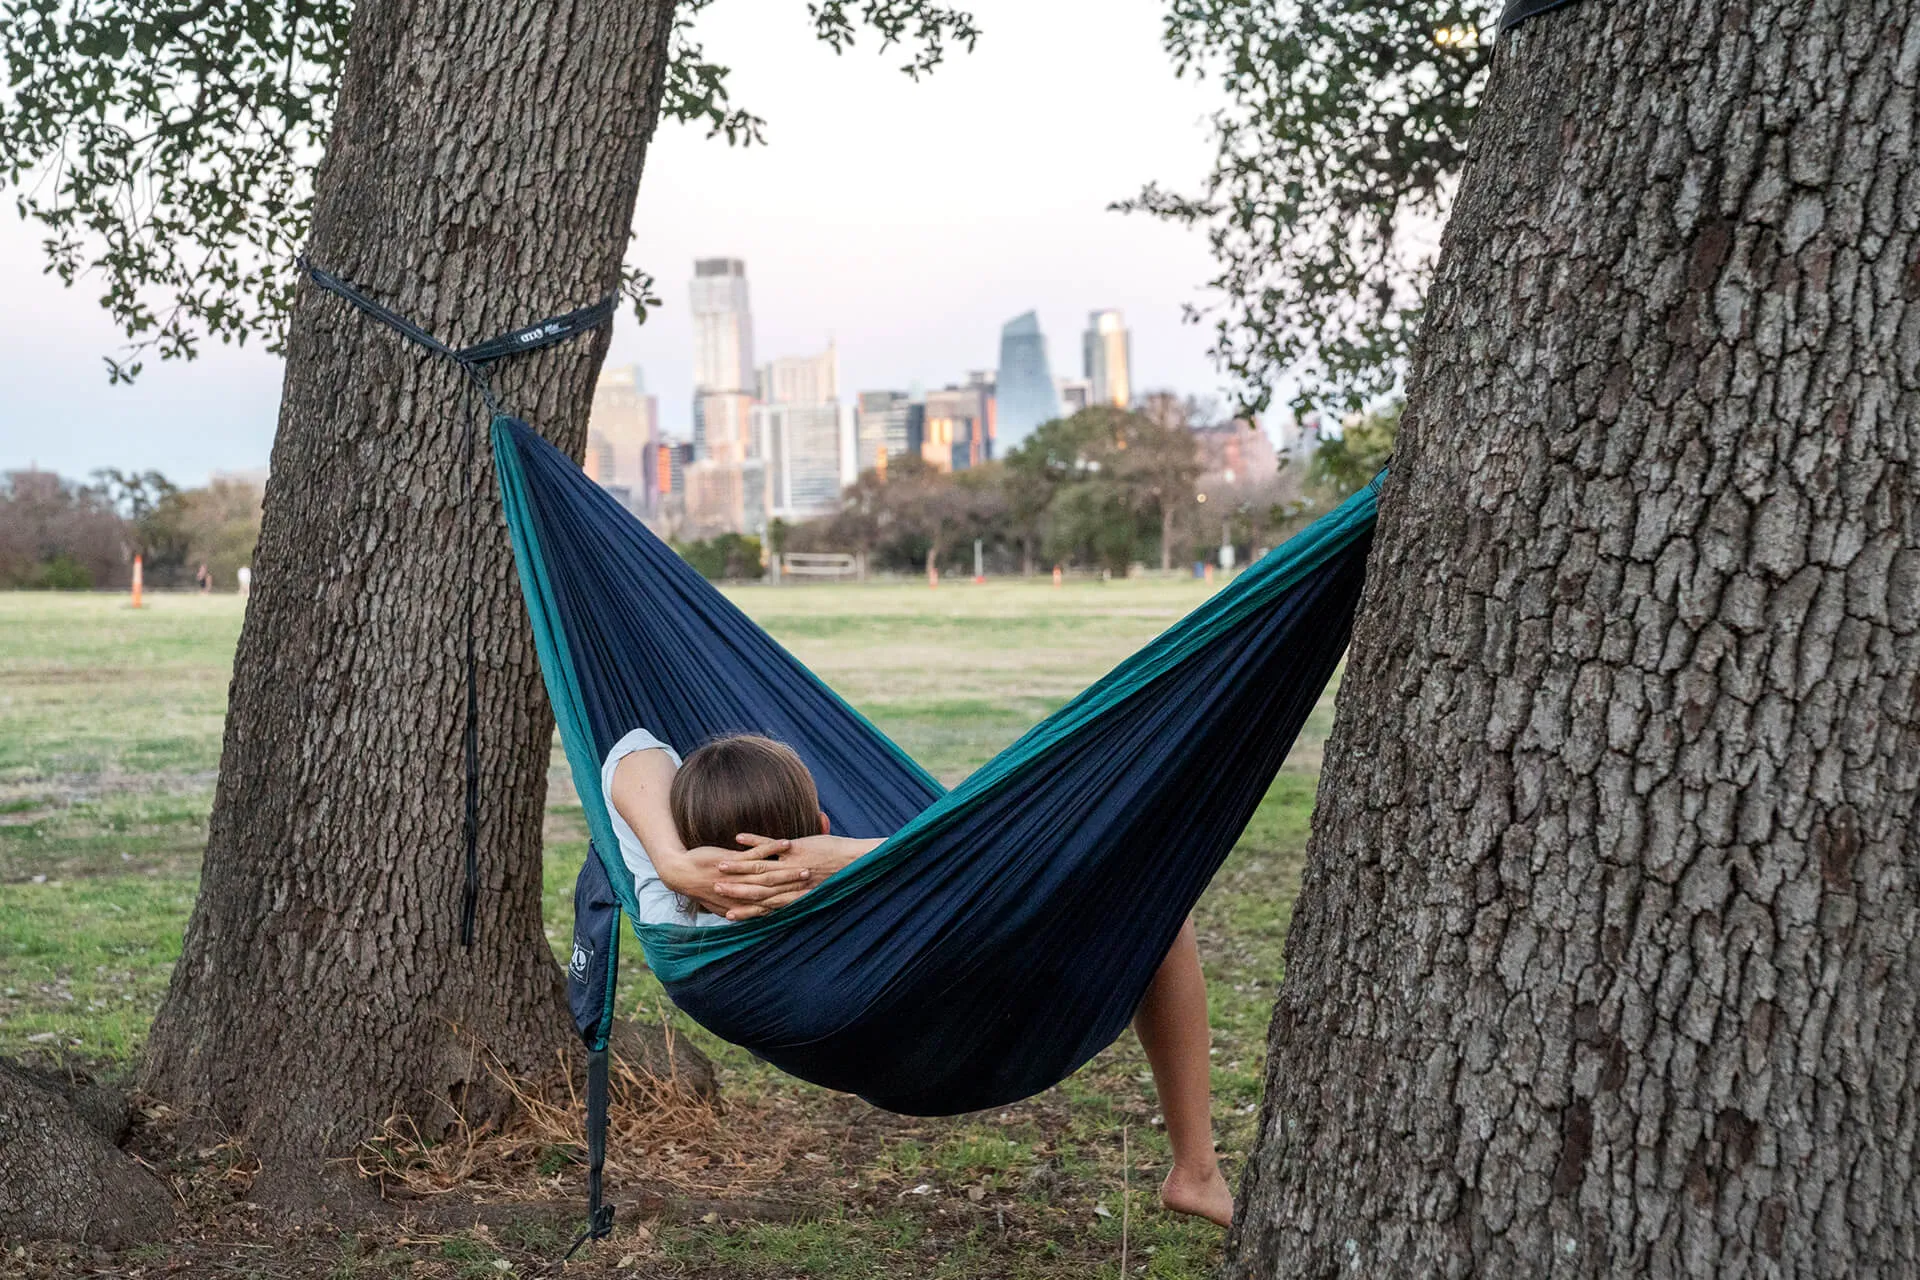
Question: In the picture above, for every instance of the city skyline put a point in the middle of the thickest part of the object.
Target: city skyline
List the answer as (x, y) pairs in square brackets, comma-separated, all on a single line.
[(785, 448)]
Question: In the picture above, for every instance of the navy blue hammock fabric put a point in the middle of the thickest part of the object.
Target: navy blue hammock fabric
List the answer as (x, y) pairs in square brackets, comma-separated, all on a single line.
[(1006, 930)]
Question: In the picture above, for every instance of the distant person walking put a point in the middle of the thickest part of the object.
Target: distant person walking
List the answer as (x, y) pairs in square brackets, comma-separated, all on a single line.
[(246, 580), (204, 578)]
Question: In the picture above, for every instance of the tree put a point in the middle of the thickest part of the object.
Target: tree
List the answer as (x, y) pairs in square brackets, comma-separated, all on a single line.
[(944, 509), (169, 153), (725, 557), (1157, 461), (1340, 144), (1605, 958), (481, 167), (322, 985), (150, 507), (1344, 463), (1121, 481), (64, 1177), (1034, 472), (57, 534), (221, 525)]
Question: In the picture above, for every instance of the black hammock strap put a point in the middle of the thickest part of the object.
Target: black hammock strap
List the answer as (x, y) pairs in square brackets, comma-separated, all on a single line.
[(599, 1214), (469, 359), (1518, 11)]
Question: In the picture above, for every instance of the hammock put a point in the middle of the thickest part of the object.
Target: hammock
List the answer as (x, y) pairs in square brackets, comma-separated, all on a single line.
[(1006, 930)]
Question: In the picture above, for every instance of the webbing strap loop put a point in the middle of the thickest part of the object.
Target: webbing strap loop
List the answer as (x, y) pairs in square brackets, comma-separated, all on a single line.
[(469, 361), (533, 337), (545, 334), (1518, 11)]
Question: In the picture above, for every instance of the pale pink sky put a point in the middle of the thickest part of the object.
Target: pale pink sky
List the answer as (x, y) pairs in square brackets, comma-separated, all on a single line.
[(908, 221)]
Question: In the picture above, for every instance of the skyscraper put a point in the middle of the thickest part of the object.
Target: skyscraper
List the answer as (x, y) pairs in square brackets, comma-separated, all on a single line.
[(797, 432), (722, 326), (624, 422), (1108, 350), (726, 497), (723, 383), (1075, 395), (889, 425), (802, 379), (1025, 391), (959, 429), (800, 445)]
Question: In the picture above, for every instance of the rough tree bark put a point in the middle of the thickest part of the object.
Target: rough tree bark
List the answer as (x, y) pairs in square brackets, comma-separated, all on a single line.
[(61, 1177), (1608, 953), (481, 173)]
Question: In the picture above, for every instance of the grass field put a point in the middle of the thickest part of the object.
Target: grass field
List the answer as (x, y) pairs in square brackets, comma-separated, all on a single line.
[(110, 726)]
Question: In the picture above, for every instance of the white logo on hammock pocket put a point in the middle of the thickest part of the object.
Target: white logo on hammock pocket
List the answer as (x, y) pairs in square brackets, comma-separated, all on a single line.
[(577, 968)]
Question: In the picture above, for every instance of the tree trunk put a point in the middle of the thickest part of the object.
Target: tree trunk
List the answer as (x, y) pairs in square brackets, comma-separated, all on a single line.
[(1607, 957), (61, 1177), (1166, 534), (482, 173)]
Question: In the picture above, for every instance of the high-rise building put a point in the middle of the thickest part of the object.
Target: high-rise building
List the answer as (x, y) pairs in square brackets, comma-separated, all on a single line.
[(889, 426), (1024, 389), (800, 446), (1075, 395), (722, 355), (726, 497), (623, 424), (723, 426), (1108, 351), (801, 379), (960, 425), (797, 433), (666, 472), (1236, 453), (598, 463)]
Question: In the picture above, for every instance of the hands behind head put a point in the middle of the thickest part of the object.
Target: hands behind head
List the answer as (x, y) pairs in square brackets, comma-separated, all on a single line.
[(770, 873)]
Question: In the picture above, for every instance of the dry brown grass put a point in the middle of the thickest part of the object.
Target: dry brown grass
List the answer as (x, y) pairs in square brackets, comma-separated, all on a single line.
[(659, 1130)]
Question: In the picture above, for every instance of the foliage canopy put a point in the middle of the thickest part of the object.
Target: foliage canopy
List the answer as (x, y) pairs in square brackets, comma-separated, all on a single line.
[(1334, 160), (168, 149)]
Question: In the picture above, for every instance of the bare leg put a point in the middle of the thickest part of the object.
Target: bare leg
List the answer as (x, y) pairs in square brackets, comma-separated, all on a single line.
[(1172, 1025)]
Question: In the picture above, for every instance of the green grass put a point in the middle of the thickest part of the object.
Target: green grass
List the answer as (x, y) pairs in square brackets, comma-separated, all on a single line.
[(110, 725)]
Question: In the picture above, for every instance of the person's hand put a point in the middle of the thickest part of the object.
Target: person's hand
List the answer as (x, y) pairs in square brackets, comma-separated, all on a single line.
[(773, 873), (692, 873)]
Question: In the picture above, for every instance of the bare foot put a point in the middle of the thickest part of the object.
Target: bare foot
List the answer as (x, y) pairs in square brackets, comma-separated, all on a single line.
[(1204, 1195)]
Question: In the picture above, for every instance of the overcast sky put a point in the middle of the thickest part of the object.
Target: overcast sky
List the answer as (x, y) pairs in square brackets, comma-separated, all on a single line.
[(907, 221)]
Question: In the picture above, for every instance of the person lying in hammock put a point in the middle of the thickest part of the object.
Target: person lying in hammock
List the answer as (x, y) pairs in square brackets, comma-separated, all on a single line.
[(736, 831)]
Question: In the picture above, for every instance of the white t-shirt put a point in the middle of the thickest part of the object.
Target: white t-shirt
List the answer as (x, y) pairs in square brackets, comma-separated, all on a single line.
[(658, 903)]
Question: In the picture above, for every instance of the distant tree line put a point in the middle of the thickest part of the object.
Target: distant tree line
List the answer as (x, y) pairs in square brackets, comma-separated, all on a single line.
[(63, 535), (1104, 489)]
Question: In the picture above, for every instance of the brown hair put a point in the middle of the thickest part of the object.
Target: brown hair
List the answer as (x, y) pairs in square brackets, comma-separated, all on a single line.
[(743, 784)]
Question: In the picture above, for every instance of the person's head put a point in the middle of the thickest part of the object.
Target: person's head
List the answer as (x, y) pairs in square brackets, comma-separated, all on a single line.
[(745, 784)]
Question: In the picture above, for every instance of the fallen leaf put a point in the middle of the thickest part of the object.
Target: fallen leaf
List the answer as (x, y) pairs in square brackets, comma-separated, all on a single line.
[(1102, 1211)]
